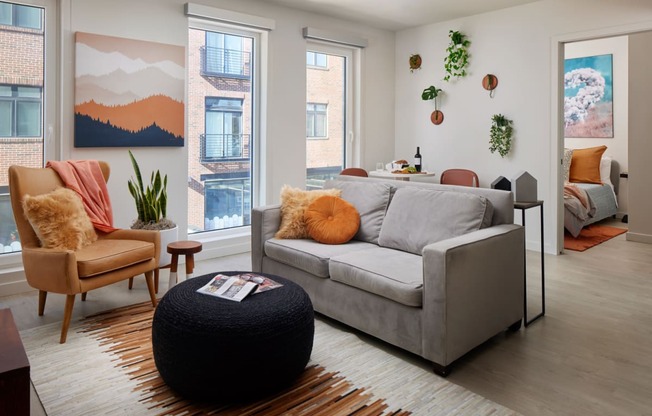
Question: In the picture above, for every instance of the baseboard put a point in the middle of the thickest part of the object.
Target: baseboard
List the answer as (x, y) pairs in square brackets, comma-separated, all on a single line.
[(639, 238), (12, 282)]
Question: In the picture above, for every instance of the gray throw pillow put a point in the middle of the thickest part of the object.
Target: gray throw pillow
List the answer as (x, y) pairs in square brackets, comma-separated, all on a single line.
[(418, 217), (371, 200)]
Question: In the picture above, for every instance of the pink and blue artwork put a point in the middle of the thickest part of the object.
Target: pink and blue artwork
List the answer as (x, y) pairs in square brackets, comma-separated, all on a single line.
[(588, 97)]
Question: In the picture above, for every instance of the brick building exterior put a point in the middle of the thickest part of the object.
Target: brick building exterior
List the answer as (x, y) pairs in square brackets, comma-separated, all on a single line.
[(21, 90)]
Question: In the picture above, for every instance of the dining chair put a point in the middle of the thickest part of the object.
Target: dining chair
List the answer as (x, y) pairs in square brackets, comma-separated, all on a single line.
[(114, 257), (463, 177), (354, 172)]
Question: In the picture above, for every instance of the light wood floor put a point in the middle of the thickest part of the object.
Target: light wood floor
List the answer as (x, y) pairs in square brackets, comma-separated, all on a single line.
[(590, 355)]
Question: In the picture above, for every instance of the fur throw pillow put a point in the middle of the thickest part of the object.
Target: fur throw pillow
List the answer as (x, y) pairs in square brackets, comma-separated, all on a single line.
[(294, 202), (59, 219)]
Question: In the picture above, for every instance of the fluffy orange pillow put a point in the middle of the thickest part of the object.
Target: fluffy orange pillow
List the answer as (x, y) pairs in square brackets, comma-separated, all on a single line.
[(332, 220), (294, 202), (585, 164), (59, 219)]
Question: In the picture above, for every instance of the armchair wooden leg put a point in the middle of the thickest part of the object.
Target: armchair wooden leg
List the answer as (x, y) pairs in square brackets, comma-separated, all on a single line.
[(149, 278), (131, 282), (42, 297), (84, 296), (67, 316)]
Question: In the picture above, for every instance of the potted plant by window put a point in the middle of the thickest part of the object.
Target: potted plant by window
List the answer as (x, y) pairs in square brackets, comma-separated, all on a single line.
[(431, 93), (500, 135), (457, 60), (151, 206)]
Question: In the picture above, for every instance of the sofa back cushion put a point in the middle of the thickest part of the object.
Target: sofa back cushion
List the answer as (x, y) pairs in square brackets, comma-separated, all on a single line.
[(418, 217), (371, 200)]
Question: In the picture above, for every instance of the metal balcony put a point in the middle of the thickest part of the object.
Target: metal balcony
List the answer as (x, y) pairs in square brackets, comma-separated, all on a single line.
[(226, 63), (224, 147)]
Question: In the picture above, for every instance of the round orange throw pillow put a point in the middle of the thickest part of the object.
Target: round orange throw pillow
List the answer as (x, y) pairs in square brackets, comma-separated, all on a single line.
[(331, 220)]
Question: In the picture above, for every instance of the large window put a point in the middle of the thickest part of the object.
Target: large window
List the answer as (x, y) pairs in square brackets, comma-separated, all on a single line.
[(328, 72), (24, 97), (221, 128)]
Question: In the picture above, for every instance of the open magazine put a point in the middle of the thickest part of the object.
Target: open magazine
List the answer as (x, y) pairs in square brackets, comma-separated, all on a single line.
[(238, 287)]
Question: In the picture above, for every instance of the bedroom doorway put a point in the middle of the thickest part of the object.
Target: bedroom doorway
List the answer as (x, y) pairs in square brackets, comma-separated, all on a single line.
[(622, 44)]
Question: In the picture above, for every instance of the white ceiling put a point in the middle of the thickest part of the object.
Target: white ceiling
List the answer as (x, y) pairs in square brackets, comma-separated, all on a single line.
[(399, 14)]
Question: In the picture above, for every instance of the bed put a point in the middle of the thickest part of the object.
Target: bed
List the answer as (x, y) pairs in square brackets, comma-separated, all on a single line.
[(587, 203)]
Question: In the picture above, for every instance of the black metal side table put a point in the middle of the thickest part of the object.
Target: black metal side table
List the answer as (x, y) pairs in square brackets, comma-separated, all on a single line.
[(523, 206)]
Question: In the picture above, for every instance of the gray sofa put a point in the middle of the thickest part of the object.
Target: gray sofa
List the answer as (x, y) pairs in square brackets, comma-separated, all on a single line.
[(434, 269)]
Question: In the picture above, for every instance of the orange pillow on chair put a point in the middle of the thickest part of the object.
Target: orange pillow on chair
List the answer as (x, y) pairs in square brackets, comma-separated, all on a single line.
[(331, 220), (585, 164)]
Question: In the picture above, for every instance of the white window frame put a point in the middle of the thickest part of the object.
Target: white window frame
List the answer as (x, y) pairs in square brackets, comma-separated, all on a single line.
[(215, 237), (11, 265), (352, 93)]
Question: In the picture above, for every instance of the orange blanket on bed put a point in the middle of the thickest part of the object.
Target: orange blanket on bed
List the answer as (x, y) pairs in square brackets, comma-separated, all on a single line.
[(85, 177), (571, 190)]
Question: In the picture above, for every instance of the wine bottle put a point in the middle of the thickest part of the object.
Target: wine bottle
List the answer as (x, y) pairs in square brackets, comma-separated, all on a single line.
[(417, 161)]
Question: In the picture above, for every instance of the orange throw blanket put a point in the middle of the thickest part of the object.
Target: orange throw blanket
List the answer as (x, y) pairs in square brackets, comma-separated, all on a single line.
[(85, 177), (571, 190)]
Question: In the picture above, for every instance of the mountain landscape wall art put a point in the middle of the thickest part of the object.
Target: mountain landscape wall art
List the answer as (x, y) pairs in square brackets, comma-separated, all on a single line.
[(128, 92)]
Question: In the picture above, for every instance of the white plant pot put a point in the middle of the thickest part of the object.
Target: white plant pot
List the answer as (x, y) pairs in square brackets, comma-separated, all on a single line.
[(167, 236)]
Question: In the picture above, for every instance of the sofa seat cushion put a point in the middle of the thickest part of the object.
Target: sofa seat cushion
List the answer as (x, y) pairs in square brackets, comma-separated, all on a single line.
[(309, 255), (418, 217), (393, 274), (107, 255)]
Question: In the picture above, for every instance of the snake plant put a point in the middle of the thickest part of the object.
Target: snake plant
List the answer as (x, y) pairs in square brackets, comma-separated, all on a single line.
[(151, 201)]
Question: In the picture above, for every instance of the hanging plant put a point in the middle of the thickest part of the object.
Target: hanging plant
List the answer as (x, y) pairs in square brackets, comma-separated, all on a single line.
[(500, 135), (415, 62), (457, 60), (431, 93)]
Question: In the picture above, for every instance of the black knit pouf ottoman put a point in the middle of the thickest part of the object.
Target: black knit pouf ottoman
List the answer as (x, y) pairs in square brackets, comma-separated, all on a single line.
[(219, 350)]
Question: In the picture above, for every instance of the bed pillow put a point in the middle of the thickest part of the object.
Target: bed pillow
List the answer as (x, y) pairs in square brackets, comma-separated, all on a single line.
[(605, 170), (568, 155), (585, 165), (331, 220), (294, 202), (59, 219)]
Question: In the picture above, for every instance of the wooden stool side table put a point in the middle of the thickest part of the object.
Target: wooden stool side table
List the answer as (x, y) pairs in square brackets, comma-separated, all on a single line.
[(186, 248)]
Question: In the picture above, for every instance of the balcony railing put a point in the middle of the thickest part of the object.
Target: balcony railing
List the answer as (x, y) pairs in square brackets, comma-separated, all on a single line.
[(224, 147), (230, 63)]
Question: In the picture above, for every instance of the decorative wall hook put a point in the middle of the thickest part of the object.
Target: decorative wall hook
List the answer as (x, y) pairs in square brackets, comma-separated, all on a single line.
[(489, 83)]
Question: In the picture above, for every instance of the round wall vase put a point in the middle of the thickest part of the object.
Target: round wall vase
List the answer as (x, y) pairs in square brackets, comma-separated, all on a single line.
[(437, 117), (489, 83), (415, 62)]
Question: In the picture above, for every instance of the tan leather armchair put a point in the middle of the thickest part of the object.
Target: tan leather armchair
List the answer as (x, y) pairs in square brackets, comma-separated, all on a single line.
[(114, 257)]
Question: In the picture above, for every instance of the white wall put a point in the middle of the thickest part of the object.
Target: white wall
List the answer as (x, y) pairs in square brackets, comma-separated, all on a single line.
[(518, 46), (617, 146), (164, 21), (640, 145)]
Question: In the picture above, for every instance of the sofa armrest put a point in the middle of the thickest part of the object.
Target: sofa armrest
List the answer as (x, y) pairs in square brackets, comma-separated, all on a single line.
[(473, 289), (265, 222)]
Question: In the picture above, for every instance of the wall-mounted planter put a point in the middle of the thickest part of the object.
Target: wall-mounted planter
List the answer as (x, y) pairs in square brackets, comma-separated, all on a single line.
[(415, 62), (489, 83), (431, 93), (437, 117)]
